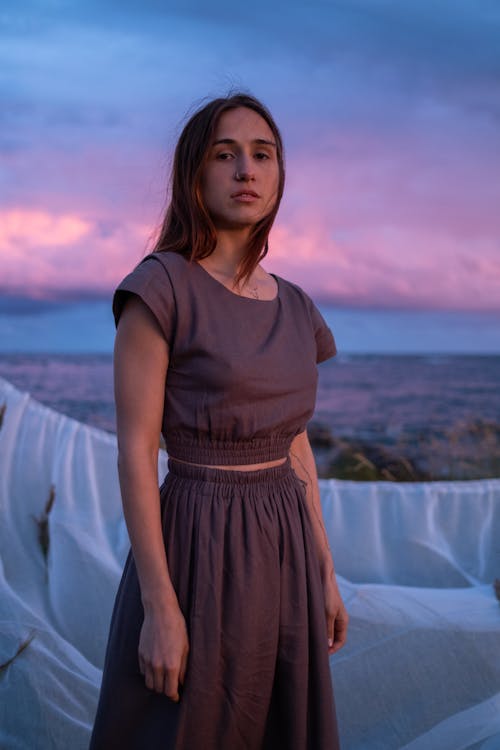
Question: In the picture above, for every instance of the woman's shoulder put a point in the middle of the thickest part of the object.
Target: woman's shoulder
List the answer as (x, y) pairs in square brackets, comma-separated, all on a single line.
[(323, 334), (153, 279), (295, 291), (173, 263)]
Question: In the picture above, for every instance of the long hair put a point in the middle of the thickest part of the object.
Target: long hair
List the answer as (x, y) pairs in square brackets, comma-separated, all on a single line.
[(187, 227)]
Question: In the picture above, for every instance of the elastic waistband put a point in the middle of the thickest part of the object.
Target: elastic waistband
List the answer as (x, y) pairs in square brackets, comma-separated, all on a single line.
[(239, 476), (222, 452)]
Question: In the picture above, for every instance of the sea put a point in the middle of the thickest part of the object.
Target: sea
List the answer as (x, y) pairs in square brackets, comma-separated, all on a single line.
[(423, 384), (421, 405)]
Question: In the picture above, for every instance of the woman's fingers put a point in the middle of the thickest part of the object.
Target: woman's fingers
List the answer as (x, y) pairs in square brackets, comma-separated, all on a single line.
[(171, 684), (330, 630), (182, 671), (142, 665), (341, 629), (337, 630), (158, 677), (149, 678), (163, 680), (162, 652), (332, 645)]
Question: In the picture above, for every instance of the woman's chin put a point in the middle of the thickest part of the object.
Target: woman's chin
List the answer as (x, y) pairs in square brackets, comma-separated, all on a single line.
[(235, 224)]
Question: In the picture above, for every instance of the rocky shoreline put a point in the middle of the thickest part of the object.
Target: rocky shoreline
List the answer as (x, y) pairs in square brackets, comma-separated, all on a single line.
[(468, 450)]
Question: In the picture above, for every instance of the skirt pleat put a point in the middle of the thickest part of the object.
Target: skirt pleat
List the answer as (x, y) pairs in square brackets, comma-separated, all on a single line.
[(242, 559)]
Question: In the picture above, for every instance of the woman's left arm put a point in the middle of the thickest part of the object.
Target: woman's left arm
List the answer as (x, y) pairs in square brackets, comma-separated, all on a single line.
[(304, 465)]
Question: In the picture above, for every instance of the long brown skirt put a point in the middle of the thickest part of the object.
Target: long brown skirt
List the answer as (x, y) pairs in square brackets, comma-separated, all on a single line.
[(242, 559)]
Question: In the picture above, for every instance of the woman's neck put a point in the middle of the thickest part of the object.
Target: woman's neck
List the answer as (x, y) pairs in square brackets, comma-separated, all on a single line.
[(229, 252)]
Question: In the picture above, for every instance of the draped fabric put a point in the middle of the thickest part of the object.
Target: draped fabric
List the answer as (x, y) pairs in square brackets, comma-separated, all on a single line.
[(415, 565)]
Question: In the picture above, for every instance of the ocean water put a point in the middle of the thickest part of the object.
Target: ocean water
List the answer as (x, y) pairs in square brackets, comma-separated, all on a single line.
[(380, 397), (424, 385), (422, 405), (370, 396), (78, 385)]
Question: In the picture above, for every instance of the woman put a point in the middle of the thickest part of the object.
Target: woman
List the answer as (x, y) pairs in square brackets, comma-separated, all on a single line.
[(228, 606)]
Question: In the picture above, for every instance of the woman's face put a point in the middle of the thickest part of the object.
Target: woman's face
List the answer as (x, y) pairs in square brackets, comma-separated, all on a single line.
[(239, 183)]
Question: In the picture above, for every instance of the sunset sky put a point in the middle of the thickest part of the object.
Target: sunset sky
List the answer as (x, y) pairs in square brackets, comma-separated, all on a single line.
[(390, 113)]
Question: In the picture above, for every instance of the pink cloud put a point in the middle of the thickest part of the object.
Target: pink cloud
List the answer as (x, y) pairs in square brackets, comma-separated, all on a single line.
[(363, 221), (44, 252), (386, 266), (383, 265), (21, 228)]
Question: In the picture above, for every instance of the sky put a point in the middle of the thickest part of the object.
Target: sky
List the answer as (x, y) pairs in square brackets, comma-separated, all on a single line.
[(389, 110)]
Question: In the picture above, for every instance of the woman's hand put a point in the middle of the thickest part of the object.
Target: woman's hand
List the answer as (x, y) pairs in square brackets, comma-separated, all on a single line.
[(163, 651), (337, 617)]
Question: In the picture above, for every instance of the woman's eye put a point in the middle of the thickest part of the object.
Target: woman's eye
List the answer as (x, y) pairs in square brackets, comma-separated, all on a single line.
[(226, 155)]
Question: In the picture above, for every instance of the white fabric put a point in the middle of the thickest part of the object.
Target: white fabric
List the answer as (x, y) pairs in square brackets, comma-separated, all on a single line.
[(415, 564)]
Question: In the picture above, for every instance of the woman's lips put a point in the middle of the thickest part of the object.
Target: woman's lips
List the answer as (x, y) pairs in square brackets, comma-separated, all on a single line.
[(245, 198)]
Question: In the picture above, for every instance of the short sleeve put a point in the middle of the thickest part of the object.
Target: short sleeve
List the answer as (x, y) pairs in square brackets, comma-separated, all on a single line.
[(325, 341), (150, 281)]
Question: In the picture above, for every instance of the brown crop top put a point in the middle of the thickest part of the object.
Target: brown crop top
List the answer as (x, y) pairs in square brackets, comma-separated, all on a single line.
[(242, 377)]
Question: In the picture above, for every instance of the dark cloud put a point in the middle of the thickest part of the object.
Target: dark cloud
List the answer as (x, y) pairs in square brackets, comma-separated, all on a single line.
[(49, 299), (343, 60), (454, 34), (12, 304)]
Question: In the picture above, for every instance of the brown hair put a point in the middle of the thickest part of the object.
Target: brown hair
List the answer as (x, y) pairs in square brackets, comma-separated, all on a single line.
[(187, 227)]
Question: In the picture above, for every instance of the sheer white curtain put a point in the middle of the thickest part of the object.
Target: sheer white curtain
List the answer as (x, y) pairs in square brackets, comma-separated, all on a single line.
[(415, 564)]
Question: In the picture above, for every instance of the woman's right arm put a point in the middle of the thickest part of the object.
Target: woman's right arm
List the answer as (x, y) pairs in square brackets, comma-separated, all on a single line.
[(140, 367)]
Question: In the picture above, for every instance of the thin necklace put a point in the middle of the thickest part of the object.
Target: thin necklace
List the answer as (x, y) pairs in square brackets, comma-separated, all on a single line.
[(254, 291)]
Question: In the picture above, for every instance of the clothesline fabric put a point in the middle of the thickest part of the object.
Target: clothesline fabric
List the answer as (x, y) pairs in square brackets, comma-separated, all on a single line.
[(415, 565)]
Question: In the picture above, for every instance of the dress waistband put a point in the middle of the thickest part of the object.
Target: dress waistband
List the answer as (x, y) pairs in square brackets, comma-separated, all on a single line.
[(239, 476), (200, 450)]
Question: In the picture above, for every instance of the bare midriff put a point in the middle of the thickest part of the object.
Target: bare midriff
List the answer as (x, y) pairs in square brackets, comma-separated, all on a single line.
[(237, 467)]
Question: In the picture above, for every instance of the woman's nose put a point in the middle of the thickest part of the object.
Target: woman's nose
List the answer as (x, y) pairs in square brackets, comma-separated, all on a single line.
[(244, 168)]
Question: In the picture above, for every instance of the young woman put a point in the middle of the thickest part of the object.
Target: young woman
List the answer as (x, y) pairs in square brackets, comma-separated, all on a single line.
[(228, 607)]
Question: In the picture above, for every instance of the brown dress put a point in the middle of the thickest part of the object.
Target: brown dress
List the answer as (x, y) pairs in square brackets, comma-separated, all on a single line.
[(241, 384)]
